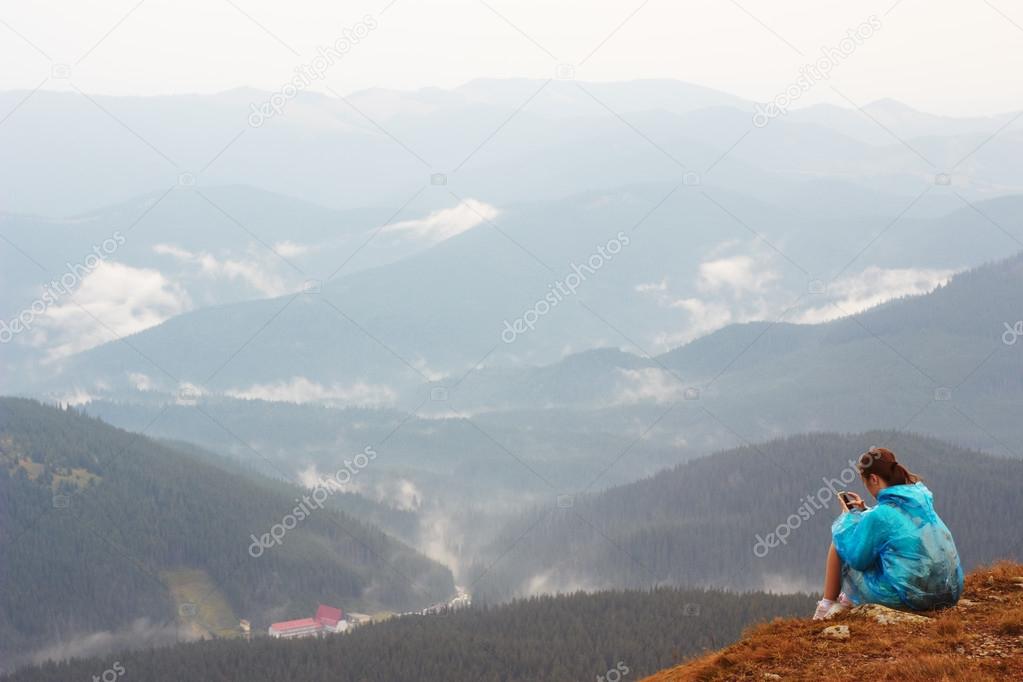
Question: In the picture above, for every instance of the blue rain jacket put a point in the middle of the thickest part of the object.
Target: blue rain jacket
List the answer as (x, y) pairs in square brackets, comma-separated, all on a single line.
[(899, 553)]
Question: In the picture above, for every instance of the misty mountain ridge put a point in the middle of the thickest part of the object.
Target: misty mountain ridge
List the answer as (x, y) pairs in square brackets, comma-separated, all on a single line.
[(440, 130), (492, 265)]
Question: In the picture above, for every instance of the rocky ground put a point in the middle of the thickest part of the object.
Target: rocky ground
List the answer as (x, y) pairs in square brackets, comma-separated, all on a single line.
[(980, 639)]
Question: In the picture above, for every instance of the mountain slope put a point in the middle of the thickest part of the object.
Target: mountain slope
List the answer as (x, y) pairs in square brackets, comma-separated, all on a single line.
[(98, 521), (941, 363), (176, 250)]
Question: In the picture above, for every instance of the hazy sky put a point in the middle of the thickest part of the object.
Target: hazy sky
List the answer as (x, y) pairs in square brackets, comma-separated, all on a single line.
[(946, 56)]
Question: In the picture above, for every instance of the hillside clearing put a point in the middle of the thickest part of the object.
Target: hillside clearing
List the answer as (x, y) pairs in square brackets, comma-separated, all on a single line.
[(202, 610)]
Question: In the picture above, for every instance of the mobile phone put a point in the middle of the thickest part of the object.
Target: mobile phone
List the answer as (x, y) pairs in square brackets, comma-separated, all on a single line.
[(848, 499)]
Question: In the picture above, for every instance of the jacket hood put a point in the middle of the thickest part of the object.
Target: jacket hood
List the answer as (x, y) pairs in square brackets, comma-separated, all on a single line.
[(908, 496)]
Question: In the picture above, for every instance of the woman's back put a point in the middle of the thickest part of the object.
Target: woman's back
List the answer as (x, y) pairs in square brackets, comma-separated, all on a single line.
[(901, 553)]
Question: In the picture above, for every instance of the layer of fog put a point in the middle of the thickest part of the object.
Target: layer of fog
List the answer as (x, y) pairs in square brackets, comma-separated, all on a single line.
[(141, 633)]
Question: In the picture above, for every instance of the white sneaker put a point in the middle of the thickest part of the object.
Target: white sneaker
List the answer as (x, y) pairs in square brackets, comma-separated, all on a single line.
[(827, 608), (823, 607)]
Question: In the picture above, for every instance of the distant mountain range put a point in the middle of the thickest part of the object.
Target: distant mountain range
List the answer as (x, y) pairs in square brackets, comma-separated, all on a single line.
[(702, 259), (937, 363), (553, 138), (944, 363), (453, 213)]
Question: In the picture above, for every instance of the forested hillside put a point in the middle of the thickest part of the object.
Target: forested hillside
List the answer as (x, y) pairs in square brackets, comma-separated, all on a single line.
[(953, 337), (402, 523), (98, 523), (565, 638), (699, 523)]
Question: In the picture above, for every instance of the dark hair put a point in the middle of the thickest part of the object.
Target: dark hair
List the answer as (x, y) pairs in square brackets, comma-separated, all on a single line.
[(881, 462)]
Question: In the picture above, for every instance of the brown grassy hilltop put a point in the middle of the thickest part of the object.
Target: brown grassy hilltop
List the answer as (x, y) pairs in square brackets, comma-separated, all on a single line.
[(980, 639)]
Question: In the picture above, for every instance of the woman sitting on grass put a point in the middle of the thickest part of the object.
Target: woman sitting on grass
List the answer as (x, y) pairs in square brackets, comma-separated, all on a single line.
[(899, 553)]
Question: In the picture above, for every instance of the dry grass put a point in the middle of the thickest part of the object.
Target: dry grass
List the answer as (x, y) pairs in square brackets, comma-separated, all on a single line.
[(980, 639), (1010, 624), (80, 478)]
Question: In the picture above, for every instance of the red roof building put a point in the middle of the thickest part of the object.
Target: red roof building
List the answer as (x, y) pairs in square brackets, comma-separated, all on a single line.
[(328, 619), (328, 616)]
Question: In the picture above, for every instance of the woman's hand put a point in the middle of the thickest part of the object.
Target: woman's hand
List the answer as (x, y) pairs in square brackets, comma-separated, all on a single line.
[(855, 502)]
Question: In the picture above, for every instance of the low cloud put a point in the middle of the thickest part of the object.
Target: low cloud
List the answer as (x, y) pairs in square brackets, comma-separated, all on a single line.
[(258, 273), (188, 393), (114, 300), (871, 287), (727, 289), (141, 632), (74, 396), (290, 249), (647, 385), (310, 477), (447, 222), (303, 390), (739, 275), (400, 493), (653, 287), (440, 539), (734, 288), (550, 582), (706, 315), (431, 374), (777, 583)]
